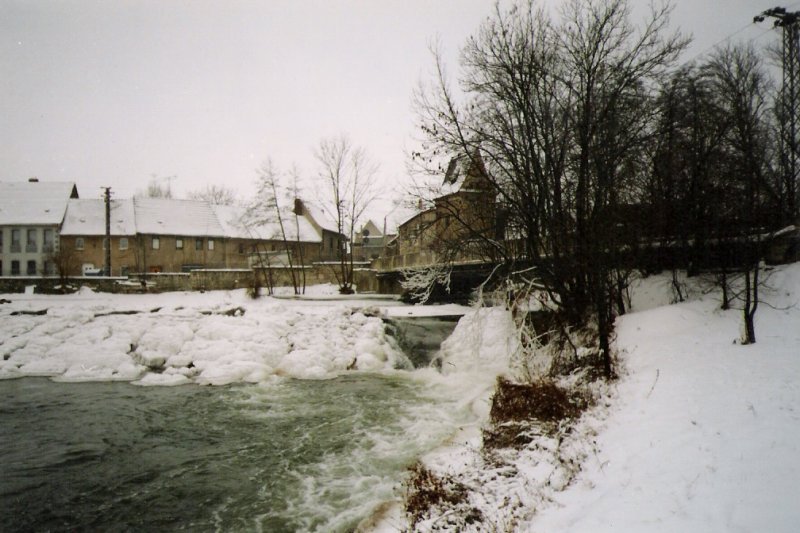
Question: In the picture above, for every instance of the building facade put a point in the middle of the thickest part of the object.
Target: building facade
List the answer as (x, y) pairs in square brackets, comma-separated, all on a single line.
[(31, 214)]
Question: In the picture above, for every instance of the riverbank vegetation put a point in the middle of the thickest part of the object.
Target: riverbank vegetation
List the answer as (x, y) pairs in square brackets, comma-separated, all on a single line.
[(606, 158), (609, 160)]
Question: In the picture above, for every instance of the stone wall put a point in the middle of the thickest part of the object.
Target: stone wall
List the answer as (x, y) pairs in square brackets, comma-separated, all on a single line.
[(196, 280)]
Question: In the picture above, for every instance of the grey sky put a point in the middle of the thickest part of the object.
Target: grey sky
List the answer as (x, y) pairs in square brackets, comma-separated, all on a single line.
[(109, 93)]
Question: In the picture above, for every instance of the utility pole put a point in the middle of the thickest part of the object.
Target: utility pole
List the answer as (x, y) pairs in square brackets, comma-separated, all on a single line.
[(788, 107), (107, 196)]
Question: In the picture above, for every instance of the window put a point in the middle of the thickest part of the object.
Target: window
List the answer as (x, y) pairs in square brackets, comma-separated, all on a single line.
[(123, 243), (241, 248), (49, 268), (48, 240), (31, 270), (179, 244), (79, 243), (15, 268), (105, 243), (210, 244), (16, 245), (30, 244), (198, 244), (156, 243)]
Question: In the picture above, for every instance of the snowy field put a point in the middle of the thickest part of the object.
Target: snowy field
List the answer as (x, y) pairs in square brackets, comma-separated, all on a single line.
[(703, 434)]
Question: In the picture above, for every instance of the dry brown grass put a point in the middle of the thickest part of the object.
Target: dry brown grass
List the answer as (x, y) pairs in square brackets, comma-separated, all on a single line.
[(520, 411), (426, 490)]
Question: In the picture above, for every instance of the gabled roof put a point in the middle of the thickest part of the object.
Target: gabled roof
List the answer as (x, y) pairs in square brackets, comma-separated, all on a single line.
[(235, 223), (88, 217), (162, 216), (465, 174), (317, 216), (35, 202), (369, 230)]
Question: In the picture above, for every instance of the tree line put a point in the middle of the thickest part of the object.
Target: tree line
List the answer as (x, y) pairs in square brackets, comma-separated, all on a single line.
[(600, 146)]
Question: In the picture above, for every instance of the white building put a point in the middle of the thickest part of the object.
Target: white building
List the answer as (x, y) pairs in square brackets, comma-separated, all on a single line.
[(31, 213)]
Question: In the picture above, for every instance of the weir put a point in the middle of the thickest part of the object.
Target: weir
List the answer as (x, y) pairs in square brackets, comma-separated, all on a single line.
[(421, 337)]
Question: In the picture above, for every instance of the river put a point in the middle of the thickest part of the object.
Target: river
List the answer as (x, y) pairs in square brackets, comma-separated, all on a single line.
[(288, 455)]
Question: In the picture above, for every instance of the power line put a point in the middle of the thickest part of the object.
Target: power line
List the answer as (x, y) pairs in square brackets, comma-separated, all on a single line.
[(728, 38), (788, 104)]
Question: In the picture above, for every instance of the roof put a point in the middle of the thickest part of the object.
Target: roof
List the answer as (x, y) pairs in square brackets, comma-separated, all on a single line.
[(148, 216), (35, 202), (369, 230), (465, 174), (165, 216), (233, 221), (88, 217), (319, 216)]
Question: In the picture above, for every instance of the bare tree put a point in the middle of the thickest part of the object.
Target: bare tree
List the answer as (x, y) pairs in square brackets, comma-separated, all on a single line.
[(742, 87), (348, 175), (294, 192), (560, 113), (215, 194), (269, 207), (66, 264), (156, 188)]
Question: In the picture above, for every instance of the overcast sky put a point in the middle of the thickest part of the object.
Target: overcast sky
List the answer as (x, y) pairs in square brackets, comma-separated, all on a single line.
[(113, 92)]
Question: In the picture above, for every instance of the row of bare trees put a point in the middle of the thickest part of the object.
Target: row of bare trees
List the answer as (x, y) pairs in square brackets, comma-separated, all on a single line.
[(597, 142), (343, 188)]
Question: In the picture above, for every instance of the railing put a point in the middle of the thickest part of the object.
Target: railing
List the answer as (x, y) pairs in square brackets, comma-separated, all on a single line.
[(16, 248), (31, 248)]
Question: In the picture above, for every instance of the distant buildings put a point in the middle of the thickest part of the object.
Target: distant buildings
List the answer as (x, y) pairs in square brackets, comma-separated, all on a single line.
[(31, 214), (47, 230)]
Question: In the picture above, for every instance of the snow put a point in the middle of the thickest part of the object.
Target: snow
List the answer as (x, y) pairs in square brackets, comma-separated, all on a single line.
[(700, 433), (88, 217), (704, 434), (232, 220), (166, 216), (34, 203), (214, 338)]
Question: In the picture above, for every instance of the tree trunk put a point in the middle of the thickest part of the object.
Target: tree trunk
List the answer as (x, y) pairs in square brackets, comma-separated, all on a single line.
[(750, 305)]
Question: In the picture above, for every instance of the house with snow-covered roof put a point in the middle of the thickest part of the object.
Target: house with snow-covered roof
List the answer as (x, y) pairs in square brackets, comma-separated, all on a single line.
[(261, 239), (454, 226), (159, 235), (368, 242), (31, 213), (333, 243), (83, 236)]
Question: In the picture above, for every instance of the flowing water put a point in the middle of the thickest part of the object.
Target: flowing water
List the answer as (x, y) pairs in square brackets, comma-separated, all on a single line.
[(284, 456)]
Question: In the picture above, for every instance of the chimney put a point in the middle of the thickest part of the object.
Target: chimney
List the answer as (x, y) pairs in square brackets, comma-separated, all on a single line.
[(298, 207)]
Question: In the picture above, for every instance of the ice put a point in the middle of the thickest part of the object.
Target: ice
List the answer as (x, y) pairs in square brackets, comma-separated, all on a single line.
[(189, 338)]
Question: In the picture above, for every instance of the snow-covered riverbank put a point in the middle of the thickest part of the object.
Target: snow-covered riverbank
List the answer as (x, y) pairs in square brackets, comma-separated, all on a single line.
[(699, 434)]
